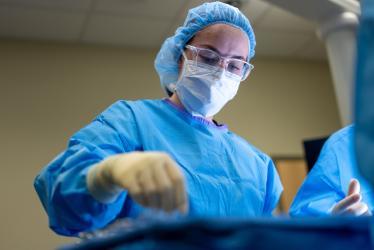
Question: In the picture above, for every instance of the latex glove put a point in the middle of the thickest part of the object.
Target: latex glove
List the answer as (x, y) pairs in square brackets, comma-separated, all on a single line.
[(152, 179), (351, 204)]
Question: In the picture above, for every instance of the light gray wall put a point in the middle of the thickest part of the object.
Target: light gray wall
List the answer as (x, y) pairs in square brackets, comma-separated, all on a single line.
[(49, 91)]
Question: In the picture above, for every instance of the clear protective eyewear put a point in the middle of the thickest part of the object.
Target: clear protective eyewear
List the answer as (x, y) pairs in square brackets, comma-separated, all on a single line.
[(212, 58)]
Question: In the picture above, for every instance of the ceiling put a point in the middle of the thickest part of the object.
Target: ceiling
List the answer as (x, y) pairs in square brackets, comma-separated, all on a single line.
[(146, 23)]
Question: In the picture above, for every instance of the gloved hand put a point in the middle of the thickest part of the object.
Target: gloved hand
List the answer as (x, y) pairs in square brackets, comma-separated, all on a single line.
[(152, 179), (351, 204)]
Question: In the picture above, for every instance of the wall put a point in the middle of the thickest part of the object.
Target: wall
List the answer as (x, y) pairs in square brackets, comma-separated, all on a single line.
[(49, 91)]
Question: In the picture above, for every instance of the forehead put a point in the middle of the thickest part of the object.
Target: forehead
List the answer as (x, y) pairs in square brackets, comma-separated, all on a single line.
[(228, 40)]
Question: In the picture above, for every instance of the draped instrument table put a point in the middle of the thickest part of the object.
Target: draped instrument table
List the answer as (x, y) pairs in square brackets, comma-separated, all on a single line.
[(261, 233)]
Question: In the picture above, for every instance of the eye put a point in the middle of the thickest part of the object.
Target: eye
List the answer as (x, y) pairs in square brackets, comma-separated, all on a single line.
[(208, 57), (235, 66), (208, 60)]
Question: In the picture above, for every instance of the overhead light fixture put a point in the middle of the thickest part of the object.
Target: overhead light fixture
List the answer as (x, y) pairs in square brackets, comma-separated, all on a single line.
[(349, 5)]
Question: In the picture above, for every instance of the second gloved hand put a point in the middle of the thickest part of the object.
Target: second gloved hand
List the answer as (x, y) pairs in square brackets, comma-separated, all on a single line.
[(352, 204), (152, 179)]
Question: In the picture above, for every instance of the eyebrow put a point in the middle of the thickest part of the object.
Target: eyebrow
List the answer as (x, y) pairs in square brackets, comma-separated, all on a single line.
[(207, 46)]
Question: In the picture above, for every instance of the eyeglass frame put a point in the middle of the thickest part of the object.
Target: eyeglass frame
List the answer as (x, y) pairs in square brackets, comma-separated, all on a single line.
[(221, 59)]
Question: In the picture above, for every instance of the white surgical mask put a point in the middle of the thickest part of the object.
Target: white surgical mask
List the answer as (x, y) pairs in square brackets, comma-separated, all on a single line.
[(204, 89)]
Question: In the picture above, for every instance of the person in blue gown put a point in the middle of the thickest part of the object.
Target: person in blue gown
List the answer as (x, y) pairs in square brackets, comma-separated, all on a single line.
[(364, 91), (334, 185), (170, 154)]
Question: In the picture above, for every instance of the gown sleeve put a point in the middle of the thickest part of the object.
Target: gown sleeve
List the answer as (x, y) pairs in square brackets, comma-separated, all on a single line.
[(61, 185), (322, 189)]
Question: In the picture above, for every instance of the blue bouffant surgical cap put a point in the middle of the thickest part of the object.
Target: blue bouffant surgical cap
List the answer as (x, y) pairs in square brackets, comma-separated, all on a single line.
[(198, 18)]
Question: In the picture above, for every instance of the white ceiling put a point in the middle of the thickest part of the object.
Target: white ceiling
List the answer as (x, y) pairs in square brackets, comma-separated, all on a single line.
[(146, 23)]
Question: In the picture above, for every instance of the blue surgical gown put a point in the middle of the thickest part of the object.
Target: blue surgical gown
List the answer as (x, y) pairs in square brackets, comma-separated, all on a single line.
[(225, 175), (328, 181)]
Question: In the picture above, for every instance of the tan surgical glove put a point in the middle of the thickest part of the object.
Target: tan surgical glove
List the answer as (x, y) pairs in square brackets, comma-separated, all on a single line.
[(352, 204), (152, 179)]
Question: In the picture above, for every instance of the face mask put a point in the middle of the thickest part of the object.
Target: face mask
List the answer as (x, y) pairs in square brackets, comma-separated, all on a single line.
[(204, 89)]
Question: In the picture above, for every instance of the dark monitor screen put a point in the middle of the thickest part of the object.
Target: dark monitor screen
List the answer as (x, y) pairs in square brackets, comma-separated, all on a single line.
[(312, 148)]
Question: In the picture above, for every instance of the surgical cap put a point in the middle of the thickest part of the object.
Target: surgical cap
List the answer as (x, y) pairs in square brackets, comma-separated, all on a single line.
[(198, 18)]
